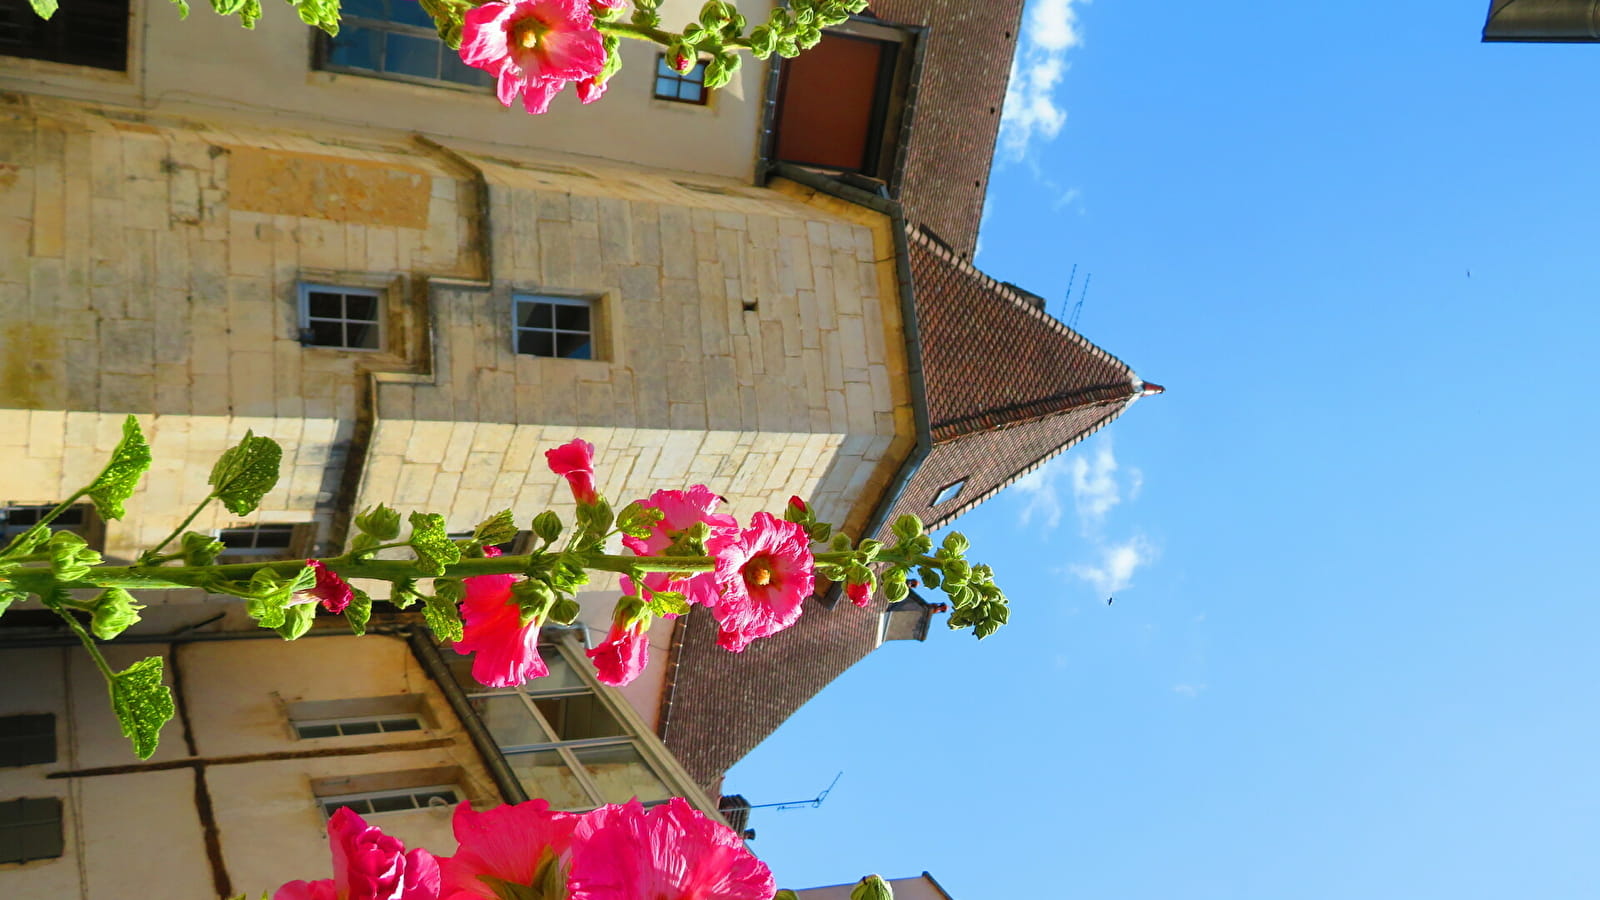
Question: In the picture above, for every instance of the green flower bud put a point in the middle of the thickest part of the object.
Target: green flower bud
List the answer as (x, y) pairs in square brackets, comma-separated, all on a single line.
[(381, 522)]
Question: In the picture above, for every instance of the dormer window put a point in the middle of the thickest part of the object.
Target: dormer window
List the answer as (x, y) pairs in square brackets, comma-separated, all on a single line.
[(948, 492)]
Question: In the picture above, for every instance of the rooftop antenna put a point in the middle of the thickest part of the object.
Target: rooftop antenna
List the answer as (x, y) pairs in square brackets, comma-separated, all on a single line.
[(1078, 309), (1068, 298), (814, 802)]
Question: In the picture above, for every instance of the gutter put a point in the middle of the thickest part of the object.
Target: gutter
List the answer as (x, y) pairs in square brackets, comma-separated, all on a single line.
[(1543, 21)]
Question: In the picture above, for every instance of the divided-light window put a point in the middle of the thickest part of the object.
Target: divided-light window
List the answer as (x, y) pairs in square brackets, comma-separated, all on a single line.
[(352, 725), (558, 327), (91, 33), (343, 317), (394, 39), (374, 802), (562, 740), (252, 543), (687, 87), (30, 828)]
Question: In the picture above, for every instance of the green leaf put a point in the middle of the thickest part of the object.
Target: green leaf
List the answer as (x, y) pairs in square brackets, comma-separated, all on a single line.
[(432, 544), (638, 520), (565, 611), (142, 704), (245, 472), (497, 529), (45, 8), (380, 521), (117, 480), (200, 549), (359, 611), (297, 621), (70, 556), (785, 894), (872, 888), (404, 593), (443, 618), (361, 543), (895, 591), (669, 603), (227, 7), (505, 890), (114, 613), (9, 595), (267, 597), (183, 8)]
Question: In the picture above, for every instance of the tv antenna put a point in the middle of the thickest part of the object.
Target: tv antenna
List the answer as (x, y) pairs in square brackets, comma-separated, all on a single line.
[(813, 803), (1068, 298), (1078, 309)]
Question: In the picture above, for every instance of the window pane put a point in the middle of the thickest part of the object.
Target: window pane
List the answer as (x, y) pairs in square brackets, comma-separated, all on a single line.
[(370, 9), (622, 773), (402, 725), (572, 346), (666, 87), (562, 677), (509, 721), (409, 12), (526, 312), (361, 306), (323, 305), (392, 804), (27, 740), (407, 54), (537, 343), (579, 717), (691, 92), (274, 535), (326, 334), (437, 798), (461, 73), (358, 727), (663, 69), (545, 775), (355, 48), (317, 731), (572, 318), (361, 335)]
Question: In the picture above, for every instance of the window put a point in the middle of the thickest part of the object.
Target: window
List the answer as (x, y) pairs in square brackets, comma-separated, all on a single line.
[(27, 740), (394, 39), (563, 739), (689, 87), (343, 727), (561, 327), (344, 317), (80, 519), (90, 33), (401, 800), (948, 492), (30, 828), (258, 543)]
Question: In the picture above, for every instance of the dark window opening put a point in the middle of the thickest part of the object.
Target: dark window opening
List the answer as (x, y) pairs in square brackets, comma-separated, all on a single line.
[(560, 327), (30, 828), (90, 33), (687, 87), (27, 740)]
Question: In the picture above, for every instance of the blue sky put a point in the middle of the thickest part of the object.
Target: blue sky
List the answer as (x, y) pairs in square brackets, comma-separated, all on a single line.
[(1353, 647)]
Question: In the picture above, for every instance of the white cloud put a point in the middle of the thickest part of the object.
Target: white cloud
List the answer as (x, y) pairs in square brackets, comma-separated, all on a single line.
[(1116, 566), (1033, 110), (1188, 690), (1043, 489), (1095, 489)]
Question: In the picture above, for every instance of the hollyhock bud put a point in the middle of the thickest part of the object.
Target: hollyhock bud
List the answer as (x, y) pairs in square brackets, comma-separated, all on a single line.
[(625, 652), (574, 461), (860, 593)]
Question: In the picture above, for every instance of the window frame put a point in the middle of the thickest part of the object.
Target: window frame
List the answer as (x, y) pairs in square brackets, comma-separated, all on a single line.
[(325, 801), (592, 302), (305, 289), (130, 39), (568, 749), (300, 535), (59, 820), (339, 722), (322, 53), (678, 80), (91, 528)]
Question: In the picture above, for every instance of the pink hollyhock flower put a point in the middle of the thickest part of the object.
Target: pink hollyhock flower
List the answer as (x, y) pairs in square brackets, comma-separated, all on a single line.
[(626, 650), (574, 461), (679, 511), (764, 573), (533, 47), (508, 651), (331, 591), (506, 843), (668, 852), (859, 594), (368, 865), (592, 89)]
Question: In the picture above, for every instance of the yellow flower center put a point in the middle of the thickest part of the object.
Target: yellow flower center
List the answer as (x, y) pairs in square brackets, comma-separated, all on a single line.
[(526, 33), (758, 574)]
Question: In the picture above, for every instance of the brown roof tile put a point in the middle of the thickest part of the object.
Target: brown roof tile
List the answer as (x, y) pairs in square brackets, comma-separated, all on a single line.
[(965, 66)]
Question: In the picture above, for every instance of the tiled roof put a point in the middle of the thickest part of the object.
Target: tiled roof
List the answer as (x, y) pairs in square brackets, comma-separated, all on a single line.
[(965, 65), (1007, 387)]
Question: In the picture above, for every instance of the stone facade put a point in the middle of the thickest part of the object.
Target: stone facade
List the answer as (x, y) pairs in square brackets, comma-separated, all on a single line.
[(746, 337)]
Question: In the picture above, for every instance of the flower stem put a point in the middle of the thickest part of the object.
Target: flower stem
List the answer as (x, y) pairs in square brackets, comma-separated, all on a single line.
[(637, 32), (149, 557)]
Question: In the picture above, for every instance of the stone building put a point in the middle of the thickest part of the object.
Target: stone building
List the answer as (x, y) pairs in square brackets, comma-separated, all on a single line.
[(347, 245)]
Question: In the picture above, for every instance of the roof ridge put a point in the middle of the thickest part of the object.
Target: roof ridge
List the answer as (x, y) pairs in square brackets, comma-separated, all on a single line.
[(938, 248)]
